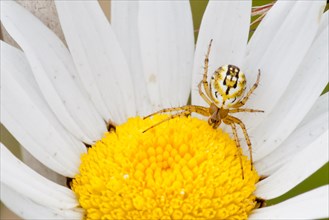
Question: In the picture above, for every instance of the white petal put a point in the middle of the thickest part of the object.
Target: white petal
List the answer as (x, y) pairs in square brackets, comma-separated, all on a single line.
[(304, 89), (319, 108), (124, 20), (32, 185), (277, 48), (54, 71), (28, 209), (166, 39), (310, 205), (323, 23), (304, 135), (27, 116), (301, 166), (101, 64), (264, 33), (227, 23)]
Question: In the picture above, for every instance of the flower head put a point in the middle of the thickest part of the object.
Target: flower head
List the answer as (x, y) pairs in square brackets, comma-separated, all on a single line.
[(56, 101)]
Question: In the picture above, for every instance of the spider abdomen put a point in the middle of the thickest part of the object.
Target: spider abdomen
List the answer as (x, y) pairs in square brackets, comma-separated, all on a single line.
[(227, 85)]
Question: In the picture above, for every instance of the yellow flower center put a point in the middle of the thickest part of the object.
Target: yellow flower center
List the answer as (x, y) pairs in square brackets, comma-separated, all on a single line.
[(181, 169)]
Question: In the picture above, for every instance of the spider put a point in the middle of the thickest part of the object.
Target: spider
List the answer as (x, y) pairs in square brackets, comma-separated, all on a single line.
[(224, 95)]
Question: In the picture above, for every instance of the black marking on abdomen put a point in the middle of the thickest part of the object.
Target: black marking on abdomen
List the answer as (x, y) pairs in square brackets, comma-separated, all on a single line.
[(236, 83), (227, 90)]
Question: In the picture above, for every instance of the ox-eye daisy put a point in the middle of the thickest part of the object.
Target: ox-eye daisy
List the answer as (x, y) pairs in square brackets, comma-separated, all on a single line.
[(57, 100)]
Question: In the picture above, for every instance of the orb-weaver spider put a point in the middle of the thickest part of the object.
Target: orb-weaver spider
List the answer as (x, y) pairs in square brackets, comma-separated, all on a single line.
[(224, 94)]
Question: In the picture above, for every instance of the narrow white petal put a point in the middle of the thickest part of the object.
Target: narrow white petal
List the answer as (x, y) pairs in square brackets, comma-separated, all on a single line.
[(264, 33), (303, 90), (277, 48), (301, 166), (124, 20), (32, 185), (227, 23), (99, 59), (319, 108), (54, 71), (324, 22), (27, 116), (310, 205), (304, 135), (26, 208), (185, 41), (167, 44)]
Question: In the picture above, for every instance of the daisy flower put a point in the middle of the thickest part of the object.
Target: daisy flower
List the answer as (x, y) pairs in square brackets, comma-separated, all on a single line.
[(57, 101)]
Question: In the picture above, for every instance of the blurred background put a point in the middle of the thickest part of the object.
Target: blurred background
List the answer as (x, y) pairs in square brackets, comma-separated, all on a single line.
[(45, 10)]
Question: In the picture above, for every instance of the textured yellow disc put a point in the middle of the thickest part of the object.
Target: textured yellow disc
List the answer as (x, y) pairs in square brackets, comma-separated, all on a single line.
[(181, 169)]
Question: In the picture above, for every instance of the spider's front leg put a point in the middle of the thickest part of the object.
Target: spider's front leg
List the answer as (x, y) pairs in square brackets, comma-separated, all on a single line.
[(236, 110), (185, 111), (173, 109), (189, 108)]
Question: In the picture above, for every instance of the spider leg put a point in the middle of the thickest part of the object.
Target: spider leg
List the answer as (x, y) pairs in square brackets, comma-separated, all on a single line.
[(235, 110), (173, 109), (252, 89), (236, 139), (186, 110), (246, 136), (205, 73), (204, 96), (184, 113), (191, 108)]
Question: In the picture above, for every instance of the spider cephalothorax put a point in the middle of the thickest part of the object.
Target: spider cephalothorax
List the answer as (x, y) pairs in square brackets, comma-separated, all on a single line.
[(224, 95)]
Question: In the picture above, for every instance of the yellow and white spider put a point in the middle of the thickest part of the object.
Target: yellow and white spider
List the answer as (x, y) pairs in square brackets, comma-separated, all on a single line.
[(224, 94)]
